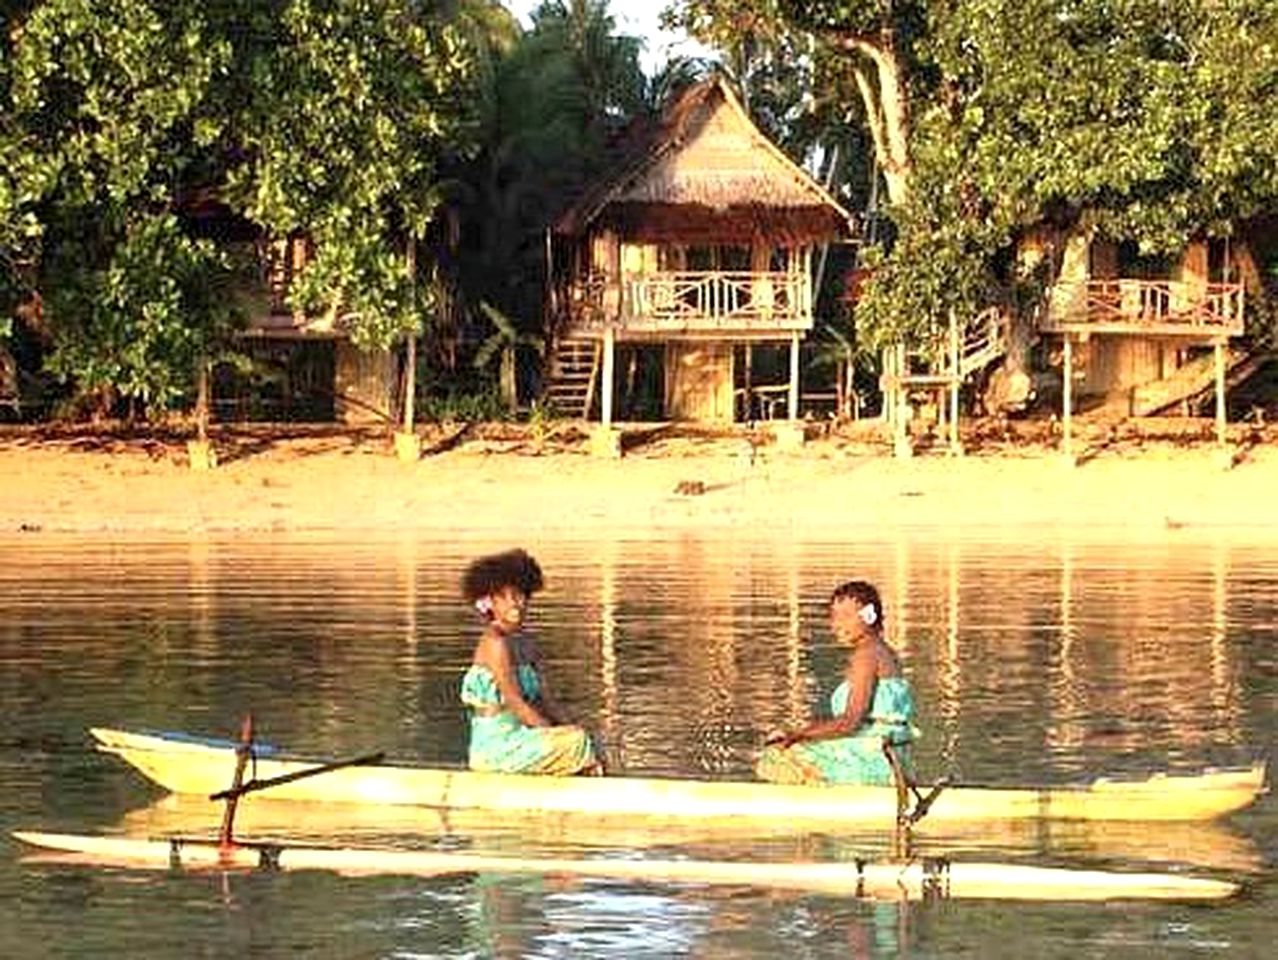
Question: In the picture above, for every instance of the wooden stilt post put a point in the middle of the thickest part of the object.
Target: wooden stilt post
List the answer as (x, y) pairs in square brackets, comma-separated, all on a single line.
[(887, 384), (609, 362), (1068, 399), (955, 374), (607, 441), (901, 419), (407, 444), (794, 376), (1221, 437), (410, 358)]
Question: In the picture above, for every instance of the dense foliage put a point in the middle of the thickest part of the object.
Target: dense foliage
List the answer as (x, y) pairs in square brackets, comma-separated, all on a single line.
[(125, 121), (1140, 120), (423, 147), (420, 148)]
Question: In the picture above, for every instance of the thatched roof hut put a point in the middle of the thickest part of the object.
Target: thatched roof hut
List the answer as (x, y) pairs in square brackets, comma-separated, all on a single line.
[(706, 174)]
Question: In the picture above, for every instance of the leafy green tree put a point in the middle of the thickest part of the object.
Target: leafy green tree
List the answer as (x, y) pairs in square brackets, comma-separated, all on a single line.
[(351, 107), (1131, 118), (101, 124), (323, 117), (126, 326)]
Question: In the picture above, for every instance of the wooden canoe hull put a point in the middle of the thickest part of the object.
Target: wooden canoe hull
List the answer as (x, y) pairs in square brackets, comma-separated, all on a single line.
[(913, 879), (190, 765)]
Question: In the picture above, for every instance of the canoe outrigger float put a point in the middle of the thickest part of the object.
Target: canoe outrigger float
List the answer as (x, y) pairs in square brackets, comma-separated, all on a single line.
[(896, 881), (1218, 847), (193, 765)]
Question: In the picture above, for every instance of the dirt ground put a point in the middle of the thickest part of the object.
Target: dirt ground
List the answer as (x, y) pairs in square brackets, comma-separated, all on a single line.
[(844, 481)]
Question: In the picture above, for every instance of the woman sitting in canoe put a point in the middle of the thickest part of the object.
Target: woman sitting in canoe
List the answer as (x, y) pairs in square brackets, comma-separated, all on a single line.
[(515, 726), (872, 704)]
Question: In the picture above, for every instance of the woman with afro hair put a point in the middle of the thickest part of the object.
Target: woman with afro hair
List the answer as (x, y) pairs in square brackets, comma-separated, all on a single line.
[(515, 726)]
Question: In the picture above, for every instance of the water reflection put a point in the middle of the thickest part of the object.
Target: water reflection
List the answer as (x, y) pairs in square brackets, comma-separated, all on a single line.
[(681, 653), (1047, 660)]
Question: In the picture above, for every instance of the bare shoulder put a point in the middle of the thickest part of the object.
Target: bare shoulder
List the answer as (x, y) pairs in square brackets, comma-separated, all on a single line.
[(888, 661), (492, 649), (864, 659)]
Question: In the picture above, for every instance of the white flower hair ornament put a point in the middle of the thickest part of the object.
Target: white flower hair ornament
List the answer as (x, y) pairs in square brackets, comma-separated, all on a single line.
[(484, 605), (869, 616)]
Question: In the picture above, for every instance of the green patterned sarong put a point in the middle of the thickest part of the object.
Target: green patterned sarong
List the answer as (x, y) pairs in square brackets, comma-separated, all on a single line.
[(500, 743), (855, 759)]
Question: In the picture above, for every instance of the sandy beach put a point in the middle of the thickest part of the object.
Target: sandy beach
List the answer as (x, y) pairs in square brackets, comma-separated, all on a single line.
[(498, 478)]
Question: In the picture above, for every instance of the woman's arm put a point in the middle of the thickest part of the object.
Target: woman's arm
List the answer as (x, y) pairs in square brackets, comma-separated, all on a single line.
[(546, 702), (494, 653), (862, 676)]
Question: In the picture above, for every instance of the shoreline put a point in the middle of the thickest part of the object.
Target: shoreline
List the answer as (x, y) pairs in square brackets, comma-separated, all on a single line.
[(500, 478)]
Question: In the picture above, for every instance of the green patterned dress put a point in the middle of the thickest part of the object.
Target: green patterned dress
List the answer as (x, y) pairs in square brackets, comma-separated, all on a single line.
[(853, 759), (501, 743)]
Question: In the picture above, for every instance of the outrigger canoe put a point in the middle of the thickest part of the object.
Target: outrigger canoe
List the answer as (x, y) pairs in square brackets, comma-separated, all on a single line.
[(193, 765), (911, 879)]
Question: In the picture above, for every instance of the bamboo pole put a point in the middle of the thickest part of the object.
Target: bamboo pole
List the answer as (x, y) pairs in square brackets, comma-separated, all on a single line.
[(202, 402)]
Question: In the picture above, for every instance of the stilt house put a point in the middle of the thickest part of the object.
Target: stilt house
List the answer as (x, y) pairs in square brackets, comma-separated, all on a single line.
[(1140, 338), (669, 272), (315, 351), (1130, 336)]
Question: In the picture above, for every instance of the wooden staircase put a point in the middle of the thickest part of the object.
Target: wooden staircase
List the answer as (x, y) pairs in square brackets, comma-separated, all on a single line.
[(1194, 381), (981, 340), (940, 367), (574, 371)]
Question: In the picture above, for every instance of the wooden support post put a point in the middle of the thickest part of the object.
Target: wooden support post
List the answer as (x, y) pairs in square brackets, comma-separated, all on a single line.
[(901, 425), (408, 445), (886, 382), (956, 372), (794, 375), (410, 357), (605, 386), (1068, 399), (244, 750), (1220, 393), (1222, 437), (410, 380)]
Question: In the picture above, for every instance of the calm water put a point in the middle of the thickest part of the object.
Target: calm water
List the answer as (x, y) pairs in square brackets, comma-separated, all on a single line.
[(1042, 661)]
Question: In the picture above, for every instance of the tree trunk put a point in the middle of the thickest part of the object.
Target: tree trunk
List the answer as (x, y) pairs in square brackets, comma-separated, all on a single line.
[(410, 359), (410, 380), (202, 401), (886, 104), (509, 390)]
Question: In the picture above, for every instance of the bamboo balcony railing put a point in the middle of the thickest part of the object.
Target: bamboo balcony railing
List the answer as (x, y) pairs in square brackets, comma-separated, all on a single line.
[(711, 301), (1150, 307)]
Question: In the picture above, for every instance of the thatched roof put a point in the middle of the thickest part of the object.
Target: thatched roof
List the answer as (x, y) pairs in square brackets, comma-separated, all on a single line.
[(707, 171)]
